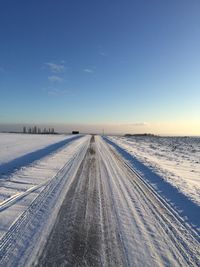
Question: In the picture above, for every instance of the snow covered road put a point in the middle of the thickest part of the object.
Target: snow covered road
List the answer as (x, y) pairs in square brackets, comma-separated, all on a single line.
[(25, 222), (111, 217)]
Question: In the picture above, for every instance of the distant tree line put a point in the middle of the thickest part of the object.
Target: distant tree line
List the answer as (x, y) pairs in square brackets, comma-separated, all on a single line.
[(37, 130), (142, 134)]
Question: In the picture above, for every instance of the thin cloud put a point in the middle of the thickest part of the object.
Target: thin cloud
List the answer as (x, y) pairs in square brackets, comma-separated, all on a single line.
[(57, 92), (55, 78), (88, 70), (130, 125), (101, 53), (140, 124), (55, 68)]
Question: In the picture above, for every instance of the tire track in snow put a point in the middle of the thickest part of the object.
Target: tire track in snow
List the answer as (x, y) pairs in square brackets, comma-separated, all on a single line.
[(111, 218), (165, 241), (75, 239), (20, 244), (85, 232)]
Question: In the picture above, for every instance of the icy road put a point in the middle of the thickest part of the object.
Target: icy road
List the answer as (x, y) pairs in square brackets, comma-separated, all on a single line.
[(100, 213)]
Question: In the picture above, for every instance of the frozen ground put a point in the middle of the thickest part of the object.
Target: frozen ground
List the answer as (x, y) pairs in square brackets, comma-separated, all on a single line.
[(175, 159), (111, 218), (84, 205), (20, 150), (31, 195), (13, 146), (29, 181)]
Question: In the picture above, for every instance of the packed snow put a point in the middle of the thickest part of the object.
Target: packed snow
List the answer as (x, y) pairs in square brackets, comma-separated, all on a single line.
[(111, 218), (175, 159)]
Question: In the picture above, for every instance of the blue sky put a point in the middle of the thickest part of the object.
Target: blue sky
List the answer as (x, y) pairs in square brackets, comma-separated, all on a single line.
[(101, 63)]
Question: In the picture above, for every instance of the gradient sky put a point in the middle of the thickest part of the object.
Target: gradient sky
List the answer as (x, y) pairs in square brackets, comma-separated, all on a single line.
[(131, 65)]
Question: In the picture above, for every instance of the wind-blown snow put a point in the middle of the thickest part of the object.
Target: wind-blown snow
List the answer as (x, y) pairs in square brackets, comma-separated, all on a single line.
[(175, 159), (30, 181), (16, 145)]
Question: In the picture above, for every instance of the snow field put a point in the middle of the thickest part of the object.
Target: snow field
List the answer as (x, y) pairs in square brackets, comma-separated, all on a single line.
[(13, 146), (33, 178), (175, 159)]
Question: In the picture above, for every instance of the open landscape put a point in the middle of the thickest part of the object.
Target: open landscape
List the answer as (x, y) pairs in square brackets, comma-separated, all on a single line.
[(85, 203), (99, 133), (174, 159)]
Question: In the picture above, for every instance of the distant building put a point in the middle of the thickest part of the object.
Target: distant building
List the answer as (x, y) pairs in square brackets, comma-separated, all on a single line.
[(34, 130), (75, 132), (37, 130)]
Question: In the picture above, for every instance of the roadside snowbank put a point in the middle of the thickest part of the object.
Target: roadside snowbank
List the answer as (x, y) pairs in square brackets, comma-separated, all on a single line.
[(29, 220), (175, 159)]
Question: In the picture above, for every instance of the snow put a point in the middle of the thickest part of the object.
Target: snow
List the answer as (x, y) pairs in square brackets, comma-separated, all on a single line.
[(27, 150), (151, 233), (31, 178), (107, 207), (175, 159), (22, 218), (16, 145), (38, 159)]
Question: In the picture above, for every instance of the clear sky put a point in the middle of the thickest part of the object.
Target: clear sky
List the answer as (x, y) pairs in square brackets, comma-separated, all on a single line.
[(126, 65)]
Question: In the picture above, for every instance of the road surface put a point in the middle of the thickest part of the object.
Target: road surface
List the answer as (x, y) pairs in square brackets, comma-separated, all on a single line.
[(111, 217)]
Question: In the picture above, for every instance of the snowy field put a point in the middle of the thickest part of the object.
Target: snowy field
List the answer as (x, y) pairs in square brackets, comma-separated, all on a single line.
[(28, 161), (175, 159), (76, 200), (31, 194), (20, 187), (16, 145)]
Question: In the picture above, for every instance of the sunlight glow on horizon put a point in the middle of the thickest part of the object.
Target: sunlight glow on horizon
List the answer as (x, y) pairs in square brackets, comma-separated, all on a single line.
[(158, 128), (101, 64)]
